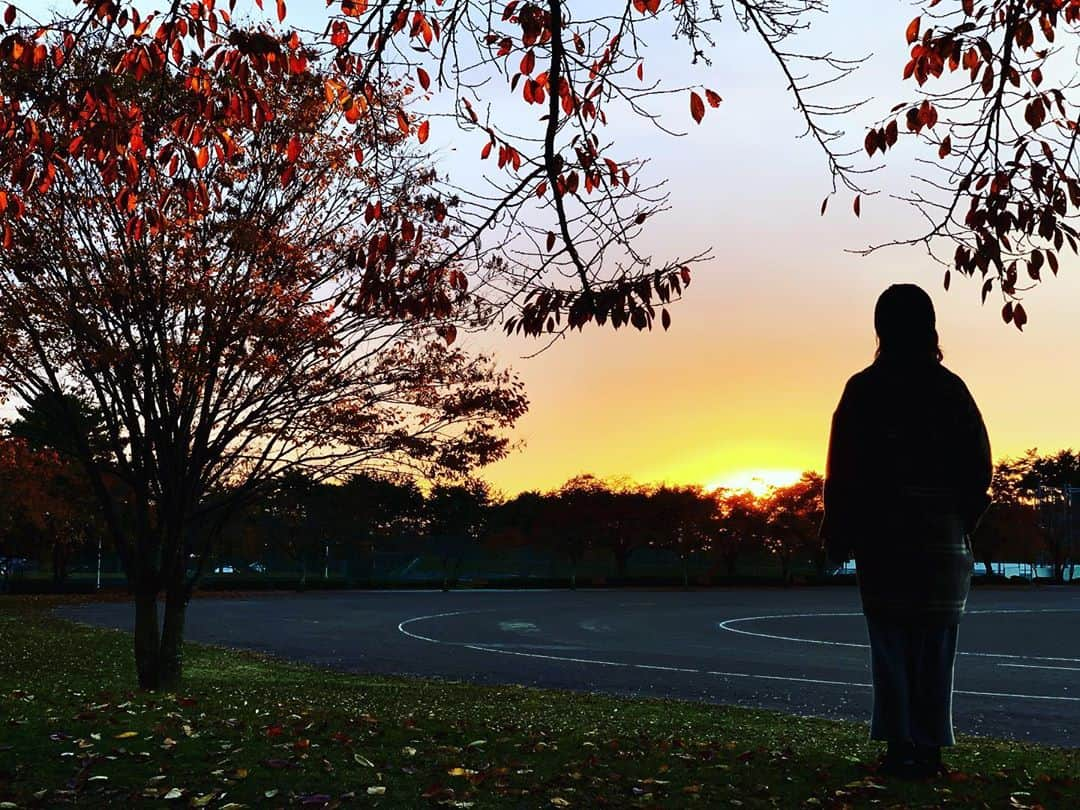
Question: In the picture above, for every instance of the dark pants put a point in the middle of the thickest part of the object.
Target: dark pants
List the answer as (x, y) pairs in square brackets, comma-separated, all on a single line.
[(913, 681)]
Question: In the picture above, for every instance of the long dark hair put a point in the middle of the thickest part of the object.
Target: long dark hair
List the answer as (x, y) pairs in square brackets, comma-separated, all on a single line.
[(906, 325)]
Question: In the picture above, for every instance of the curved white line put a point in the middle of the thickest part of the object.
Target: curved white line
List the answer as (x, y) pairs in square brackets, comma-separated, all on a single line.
[(401, 626), (727, 625), (747, 675)]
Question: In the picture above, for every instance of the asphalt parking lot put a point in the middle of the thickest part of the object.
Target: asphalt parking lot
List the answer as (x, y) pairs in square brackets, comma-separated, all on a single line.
[(801, 650)]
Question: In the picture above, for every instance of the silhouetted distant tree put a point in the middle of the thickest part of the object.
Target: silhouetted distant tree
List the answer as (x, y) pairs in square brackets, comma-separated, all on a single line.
[(456, 515), (578, 520), (287, 516), (794, 516), (1028, 520), (70, 516), (738, 527), (681, 518), (618, 516)]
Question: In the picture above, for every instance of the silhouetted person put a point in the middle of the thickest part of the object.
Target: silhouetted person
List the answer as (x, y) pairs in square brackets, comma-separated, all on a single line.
[(906, 484)]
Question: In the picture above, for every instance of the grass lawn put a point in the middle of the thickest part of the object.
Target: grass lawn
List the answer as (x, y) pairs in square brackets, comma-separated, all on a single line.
[(255, 732)]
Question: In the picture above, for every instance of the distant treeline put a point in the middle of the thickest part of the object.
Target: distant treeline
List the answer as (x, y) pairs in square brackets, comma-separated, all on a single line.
[(47, 515)]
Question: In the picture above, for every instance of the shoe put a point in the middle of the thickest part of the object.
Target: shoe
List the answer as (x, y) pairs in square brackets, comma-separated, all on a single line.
[(928, 764), (899, 761)]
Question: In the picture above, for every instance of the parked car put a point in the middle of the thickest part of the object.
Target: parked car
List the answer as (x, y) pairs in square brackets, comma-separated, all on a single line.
[(13, 565)]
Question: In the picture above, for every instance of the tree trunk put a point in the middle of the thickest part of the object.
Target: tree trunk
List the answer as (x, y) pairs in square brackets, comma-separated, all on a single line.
[(731, 560), (172, 638), (573, 575), (59, 563), (685, 574), (988, 564), (147, 640), (620, 563)]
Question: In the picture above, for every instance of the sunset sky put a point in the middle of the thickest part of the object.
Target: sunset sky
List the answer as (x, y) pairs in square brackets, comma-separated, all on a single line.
[(759, 351)]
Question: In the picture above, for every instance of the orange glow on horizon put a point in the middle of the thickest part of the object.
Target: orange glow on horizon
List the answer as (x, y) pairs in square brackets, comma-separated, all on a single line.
[(757, 482)]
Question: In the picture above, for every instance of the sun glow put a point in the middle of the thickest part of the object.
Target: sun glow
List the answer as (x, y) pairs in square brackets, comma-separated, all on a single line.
[(758, 482)]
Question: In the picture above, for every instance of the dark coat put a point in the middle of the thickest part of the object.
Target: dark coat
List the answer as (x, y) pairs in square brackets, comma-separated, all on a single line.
[(905, 486)]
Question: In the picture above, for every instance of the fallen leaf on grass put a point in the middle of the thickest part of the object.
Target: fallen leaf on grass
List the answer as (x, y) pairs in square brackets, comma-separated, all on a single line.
[(865, 783), (376, 790), (175, 793), (360, 759), (127, 735)]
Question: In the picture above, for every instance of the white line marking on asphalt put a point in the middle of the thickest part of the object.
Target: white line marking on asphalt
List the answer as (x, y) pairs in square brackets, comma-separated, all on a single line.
[(727, 625), (1011, 695), (549, 657), (787, 678), (745, 675), (1037, 666), (401, 626)]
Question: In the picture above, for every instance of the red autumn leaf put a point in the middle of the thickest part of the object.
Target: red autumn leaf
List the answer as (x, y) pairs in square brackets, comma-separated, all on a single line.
[(697, 107), (713, 98), (403, 122), (824, 205), (665, 319), (857, 206), (294, 148), (912, 32), (281, 10), (946, 147), (550, 240), (528, 62), (641, 71), (871, 142), (1019, 317), (422, 131), (423, 77), (202, 158), (892, 132)]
